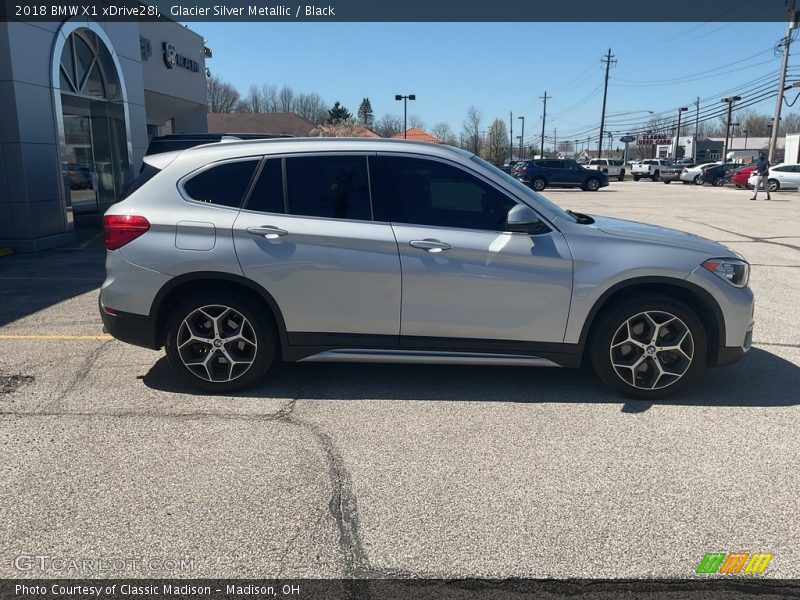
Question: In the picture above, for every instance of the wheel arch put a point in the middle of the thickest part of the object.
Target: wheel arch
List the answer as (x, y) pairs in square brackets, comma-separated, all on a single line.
[(699, 300), (176, 289)]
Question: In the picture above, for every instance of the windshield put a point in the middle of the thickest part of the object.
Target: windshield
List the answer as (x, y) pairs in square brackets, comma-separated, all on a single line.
[(555, 209)]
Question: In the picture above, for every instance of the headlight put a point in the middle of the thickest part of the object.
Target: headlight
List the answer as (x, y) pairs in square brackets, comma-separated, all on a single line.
[(734, 271)]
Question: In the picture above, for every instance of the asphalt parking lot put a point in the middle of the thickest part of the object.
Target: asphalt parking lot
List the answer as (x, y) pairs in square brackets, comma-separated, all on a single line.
[(429, 471)]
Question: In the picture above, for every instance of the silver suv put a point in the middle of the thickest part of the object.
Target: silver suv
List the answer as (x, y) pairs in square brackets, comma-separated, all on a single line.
[(234, 256)]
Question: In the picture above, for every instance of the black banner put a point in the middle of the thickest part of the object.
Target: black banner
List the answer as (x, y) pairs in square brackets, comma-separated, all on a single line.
[(733, 588)]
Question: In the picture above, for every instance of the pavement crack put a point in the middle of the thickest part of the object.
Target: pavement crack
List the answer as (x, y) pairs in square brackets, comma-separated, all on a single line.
[(82, 374)]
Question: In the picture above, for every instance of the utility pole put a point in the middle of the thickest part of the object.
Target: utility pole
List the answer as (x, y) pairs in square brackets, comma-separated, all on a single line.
[(544, 118), (678, 132), (511, 137), (786, 42), (730, 100), (522, 137), (745, 132), (608, 60), (555, 137), (696, 127)]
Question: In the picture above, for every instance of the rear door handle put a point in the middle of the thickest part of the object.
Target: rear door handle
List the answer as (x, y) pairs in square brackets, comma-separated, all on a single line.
[(267, 231), (429, 245)]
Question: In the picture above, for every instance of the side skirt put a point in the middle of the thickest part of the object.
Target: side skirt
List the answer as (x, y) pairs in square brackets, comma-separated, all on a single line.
[(367, 355)]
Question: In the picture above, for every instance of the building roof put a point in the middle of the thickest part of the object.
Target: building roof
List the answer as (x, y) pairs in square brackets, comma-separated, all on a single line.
[(276, 123), (416, 134)]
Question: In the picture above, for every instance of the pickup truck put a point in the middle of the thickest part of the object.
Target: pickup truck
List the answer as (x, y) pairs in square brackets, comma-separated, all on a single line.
[(649, 168), (609, 166)]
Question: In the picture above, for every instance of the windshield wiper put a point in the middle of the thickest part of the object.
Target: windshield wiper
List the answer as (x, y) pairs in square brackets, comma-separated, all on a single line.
[(581, 218)]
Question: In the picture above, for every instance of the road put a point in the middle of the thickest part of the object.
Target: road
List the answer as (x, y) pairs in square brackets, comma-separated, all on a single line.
[(428, 471)]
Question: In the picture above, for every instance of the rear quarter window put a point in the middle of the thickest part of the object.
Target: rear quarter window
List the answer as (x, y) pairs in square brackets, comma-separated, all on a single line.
[(222, 185)]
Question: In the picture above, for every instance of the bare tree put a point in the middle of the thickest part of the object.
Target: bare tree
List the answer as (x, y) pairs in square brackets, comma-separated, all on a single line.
[(286, 99), (222, 96), (416, 121), (495, 146), (311, 107), (472, 130), (388, 125)]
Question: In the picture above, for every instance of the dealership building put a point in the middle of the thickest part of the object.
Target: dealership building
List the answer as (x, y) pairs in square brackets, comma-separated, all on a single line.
[(79, 101)]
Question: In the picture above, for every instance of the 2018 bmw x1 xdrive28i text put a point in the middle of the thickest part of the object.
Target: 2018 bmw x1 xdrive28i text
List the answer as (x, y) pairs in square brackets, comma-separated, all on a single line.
[(234, 256)]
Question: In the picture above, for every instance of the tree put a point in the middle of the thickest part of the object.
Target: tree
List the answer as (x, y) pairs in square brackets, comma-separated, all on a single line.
[(338, 113), (311, 107), (445, 133), (495, 146), (222, 96), (472, 130), (286, 99), (416, 121), (388, 125), (365, 113)]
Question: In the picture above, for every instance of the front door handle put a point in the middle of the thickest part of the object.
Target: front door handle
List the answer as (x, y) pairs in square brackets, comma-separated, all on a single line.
[(267, 231), (429, 245)]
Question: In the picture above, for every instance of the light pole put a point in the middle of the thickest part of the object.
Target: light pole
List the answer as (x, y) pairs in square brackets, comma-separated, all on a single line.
[(745, 132), (733, 135), (678, 132), (576, 148), (730, 100), (521, 137), (405, 100)]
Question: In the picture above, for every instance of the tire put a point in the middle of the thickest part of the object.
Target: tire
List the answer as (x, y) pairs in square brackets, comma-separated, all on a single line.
[(698, 180), (255, 344), (667, 181), (655, 176), (719, 181), (773, 185), (623, 337), (636, 178), (592, 184), (686, 182), (538, 184), (621, 176)]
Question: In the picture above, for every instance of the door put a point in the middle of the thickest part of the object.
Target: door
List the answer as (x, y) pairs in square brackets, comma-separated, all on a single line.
[(315, 248), (558, 174), (464, 278)]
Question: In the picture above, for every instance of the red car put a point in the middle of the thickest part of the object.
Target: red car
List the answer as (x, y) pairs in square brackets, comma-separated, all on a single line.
[(740, 176)]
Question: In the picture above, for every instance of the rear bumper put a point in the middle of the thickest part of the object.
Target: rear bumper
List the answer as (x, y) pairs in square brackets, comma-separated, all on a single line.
[(139, 330)]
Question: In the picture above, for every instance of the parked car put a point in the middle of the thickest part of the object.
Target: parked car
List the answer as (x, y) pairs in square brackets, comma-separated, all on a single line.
[(236, 256), (780, 177), (551, 172), (671, 173), (609, 166), (650, 168), (740, 176), (694, 174), (717, 175), (519, 167)]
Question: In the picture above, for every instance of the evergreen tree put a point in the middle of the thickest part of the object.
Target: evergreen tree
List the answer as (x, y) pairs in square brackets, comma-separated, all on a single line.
[(365, 113), (338, 113)]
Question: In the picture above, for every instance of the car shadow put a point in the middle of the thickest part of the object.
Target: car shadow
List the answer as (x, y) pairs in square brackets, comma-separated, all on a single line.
[(760, 379)]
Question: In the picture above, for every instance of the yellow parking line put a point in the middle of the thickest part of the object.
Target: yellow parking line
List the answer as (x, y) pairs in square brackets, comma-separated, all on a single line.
[(89, 241), (54, 337)]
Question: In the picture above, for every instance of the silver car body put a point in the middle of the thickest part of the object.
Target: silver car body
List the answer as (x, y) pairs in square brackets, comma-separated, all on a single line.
[(338, 286)]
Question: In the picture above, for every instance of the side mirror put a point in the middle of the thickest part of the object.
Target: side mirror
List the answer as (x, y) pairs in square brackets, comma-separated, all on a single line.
[(523, 219)]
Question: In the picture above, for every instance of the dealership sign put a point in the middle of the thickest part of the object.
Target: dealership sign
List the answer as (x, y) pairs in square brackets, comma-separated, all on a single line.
[(172, 59), (654, 139)]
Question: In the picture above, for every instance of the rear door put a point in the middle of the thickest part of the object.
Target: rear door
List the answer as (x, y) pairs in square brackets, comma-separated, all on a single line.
[(464, 278), (306, 234)]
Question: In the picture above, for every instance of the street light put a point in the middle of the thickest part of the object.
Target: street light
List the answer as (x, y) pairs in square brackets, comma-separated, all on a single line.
[(733, 135), (678, 132), (745, 132), (730, 100), (521, 137), (632, 112), (405, 100)]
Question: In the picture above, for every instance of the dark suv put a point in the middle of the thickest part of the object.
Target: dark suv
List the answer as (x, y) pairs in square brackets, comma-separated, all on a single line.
[(551, 172)]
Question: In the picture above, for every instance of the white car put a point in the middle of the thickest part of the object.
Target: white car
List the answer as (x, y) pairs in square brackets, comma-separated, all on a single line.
[(609, 166), (650, 169), (695, 174), (780, 177)]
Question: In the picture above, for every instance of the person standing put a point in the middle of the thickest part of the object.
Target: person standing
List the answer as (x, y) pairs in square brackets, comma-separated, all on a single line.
[(762, 171)]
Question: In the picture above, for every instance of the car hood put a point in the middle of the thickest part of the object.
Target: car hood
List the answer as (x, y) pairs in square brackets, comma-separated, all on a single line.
[(660, 235)]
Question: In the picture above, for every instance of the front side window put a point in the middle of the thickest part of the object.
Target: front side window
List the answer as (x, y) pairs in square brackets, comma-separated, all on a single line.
[(437, 194), (267, 194), (329, 186), (223, 185)]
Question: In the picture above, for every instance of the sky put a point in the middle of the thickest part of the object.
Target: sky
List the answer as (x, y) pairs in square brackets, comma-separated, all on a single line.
[(506, 67)]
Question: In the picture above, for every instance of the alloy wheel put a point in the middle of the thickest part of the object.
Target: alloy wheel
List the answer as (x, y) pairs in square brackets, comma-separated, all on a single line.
[(652, 350)]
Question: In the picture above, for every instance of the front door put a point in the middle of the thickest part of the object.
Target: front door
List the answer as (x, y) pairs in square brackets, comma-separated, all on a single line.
[(464, 278)]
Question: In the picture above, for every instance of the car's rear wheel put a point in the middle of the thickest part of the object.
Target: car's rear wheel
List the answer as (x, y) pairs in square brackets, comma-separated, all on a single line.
[(773, 185), (621, 176), (649, 347), (636, 178), (220, 342), (686, 182), (719, 181), (538, 184), (592, 184), (656, 175), (698, 180), (667, 181)]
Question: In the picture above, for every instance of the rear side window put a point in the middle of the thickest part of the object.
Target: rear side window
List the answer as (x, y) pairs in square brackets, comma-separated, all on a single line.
[(267, 194), (329, 186), (223, 185)]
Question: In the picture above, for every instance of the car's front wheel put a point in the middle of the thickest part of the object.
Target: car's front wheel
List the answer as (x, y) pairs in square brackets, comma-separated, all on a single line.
[(538, 184), (592, 184), (621, 176), (655, 176), (220, 342), (649, 347)]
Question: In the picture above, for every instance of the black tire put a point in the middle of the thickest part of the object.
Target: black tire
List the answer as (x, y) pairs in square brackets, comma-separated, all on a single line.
[(698, 180), (259, 327), (607, 339), (667, 181), (636, 178), (538, 184), (655, 176), (621, 176), (686, 182), (592, 184), (773, 185), (719, 181)]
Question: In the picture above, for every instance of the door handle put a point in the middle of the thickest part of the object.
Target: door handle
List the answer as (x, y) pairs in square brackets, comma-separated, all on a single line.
[(429, 245), (267, 231)]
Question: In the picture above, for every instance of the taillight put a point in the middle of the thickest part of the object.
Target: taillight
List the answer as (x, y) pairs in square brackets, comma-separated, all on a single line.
[(685, 170), (122, 229)]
